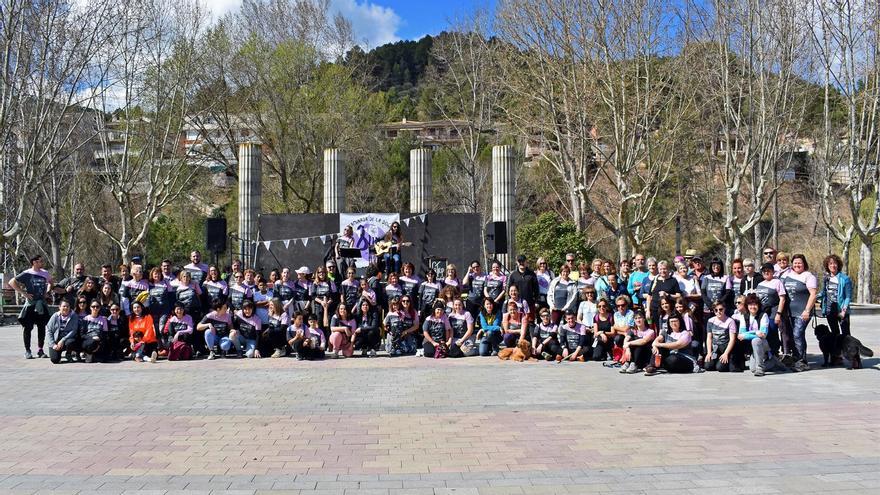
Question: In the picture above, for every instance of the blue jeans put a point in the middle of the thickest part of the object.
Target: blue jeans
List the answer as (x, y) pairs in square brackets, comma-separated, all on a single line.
[(211, 339), (392, 262), (799, 335), (490, 343), (250, 346)]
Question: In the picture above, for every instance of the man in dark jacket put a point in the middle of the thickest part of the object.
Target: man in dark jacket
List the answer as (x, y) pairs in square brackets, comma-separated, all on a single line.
[(526, 281)]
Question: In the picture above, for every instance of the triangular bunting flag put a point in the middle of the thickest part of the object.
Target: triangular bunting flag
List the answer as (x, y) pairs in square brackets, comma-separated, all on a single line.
[(406, 221), (422, 217), (323, 239), (286, 243), (305, 241), (266, 244)]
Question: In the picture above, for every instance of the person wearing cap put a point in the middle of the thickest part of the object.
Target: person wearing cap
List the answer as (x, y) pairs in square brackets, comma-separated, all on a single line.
[(771, 293), (301, 289), (750, 278), (525, 279)]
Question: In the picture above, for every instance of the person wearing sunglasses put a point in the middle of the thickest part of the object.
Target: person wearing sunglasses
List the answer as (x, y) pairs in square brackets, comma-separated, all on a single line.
[(113, 342), (92, 326), (474, 282), (623, 323), (411, 335), (545, 338), (637, 345), (545, 276), (725, 352)]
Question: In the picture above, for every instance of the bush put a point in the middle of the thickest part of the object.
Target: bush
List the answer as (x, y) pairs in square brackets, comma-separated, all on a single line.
[(551, 237)]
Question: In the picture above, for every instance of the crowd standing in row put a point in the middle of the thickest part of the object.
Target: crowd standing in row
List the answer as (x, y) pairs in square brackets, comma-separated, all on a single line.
[(639, 314)]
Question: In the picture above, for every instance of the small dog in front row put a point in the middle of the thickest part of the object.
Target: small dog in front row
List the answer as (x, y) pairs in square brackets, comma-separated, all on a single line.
[(850, 347)]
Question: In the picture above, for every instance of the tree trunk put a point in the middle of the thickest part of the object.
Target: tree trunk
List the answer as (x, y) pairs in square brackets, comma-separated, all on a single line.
[(759, 245), (866, 258)]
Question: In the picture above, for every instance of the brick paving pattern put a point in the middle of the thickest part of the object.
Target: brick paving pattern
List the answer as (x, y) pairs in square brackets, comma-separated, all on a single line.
[(419, 426)]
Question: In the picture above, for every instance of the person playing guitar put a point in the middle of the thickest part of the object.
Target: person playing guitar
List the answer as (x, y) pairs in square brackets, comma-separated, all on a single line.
[(389, 248)]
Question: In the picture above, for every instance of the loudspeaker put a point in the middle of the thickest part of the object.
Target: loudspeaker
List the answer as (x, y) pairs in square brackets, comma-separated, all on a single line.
[(215, 235), (496, 237)]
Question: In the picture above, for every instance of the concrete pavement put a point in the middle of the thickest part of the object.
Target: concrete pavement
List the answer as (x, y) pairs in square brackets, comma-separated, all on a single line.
[(415, 425)]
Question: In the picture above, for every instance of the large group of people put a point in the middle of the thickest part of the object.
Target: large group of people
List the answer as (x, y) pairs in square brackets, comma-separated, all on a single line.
[(638, 315)]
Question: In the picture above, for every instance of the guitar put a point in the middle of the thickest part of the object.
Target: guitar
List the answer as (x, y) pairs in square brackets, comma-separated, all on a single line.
[(383, 247)]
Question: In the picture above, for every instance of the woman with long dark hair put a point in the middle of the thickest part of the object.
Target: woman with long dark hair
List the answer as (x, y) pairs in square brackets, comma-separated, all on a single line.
[(392, 257), (836, 297)]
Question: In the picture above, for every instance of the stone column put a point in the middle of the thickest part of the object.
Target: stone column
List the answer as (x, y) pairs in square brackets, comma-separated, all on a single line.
[(334, 180), (504, 162), (420, 169), (250, 198)]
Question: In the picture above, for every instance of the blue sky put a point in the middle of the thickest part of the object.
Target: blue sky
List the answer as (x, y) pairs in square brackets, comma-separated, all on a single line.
[(377, 22)]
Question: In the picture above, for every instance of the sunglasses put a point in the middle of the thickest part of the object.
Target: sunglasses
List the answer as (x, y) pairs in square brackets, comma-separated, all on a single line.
[(719, 309), (404, 301), (621, 305), (95, 306), (768, 253)]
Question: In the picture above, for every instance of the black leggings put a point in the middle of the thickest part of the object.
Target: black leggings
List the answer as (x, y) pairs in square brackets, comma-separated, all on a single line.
[(30, 319), (676, 363), (307, 352), (735, 363), (68, 346), (640, 354), (603, 349), (367, 339), (553, 349)]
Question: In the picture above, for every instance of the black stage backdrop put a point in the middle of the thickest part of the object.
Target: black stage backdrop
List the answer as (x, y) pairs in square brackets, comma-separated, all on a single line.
[(454, 236)]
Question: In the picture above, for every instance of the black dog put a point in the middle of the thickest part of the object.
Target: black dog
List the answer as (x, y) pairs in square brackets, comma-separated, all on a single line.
[(833, 344)]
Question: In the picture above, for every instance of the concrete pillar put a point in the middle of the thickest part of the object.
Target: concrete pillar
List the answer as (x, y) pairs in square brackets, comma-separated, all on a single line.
[(250, 197), (504, 165), (420, 169), (334, 180)]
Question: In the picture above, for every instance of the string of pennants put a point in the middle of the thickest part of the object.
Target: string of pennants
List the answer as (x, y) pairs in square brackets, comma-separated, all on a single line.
[(324, 237)]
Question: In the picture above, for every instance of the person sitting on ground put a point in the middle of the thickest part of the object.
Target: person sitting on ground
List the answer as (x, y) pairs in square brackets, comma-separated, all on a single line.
[(437, 332), (248, 330), (275, 331), (754, 328), (91, 329), (674, 350), (366, 335), (462, 324), (725, 353), (575, 339), (513, 324), (142, 322), (309, 342), (61, 333), (545, 338), (637, 345), (218, 327), (342, 327), (489, 335)]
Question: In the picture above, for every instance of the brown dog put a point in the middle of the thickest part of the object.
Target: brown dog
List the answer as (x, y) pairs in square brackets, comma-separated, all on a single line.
[(522, 352)]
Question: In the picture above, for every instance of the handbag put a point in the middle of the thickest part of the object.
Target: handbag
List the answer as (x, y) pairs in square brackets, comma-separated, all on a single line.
[(617, 354), (441, 351)]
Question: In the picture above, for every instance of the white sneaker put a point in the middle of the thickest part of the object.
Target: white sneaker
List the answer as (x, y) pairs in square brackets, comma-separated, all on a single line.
[(212, 356), (420, 353)]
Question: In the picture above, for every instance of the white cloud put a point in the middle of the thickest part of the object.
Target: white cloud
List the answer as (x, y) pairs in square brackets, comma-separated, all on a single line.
[(219, 8), (373, 24)]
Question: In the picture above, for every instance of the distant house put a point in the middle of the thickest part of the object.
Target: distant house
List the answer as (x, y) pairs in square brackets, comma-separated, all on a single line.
[(433, 134)]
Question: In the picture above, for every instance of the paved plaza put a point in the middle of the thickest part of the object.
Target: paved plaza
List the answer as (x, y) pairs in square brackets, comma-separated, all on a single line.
[(419, 426)]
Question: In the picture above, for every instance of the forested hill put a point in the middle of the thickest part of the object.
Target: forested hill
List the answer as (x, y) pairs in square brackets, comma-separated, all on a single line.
[(395, 67)]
